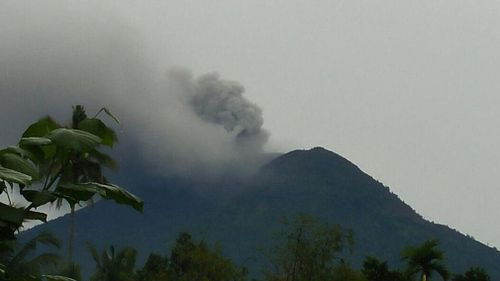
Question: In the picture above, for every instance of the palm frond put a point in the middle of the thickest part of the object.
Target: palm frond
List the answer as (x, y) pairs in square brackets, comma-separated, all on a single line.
[(44, 238)]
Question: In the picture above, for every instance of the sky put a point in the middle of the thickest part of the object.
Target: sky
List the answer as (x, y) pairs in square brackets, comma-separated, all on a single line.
[(407, 90)]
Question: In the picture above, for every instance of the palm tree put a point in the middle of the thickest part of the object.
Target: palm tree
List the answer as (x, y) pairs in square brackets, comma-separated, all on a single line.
[(70, 269), (86, 167), (72, 162), (425, 259), (113, 266), (20, 262)]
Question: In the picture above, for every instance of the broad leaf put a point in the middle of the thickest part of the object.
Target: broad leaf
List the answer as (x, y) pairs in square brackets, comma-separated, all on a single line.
[(84, 192), (41, 128), (40, 148), (17, 163), (15, 216), (73, 139), (103, 159), (118, 194), (16, 150), (98, 128), (12, 176), (75, 192), (11, 215), (35, 141), (32, 215), (57, 278), (38, 198)]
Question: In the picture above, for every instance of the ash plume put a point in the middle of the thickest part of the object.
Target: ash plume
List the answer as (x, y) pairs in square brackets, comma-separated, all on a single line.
[(222, 102), (55, 54)]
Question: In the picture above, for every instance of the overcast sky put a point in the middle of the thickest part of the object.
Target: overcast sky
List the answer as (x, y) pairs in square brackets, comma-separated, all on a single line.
[(407, 90)]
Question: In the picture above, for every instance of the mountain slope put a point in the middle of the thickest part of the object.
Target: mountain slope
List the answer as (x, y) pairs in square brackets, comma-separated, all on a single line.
[(316, 181)]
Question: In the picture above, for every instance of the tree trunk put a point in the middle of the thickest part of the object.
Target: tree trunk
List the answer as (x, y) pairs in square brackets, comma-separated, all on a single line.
[(71, 234)]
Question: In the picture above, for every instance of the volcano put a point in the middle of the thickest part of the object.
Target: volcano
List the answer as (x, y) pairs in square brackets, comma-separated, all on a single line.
[(242, 215)]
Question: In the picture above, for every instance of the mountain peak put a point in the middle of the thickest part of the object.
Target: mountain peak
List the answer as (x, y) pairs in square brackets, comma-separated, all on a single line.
[(317, 159)]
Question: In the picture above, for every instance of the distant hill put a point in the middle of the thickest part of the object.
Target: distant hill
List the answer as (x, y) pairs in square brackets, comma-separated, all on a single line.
[(243, 221)]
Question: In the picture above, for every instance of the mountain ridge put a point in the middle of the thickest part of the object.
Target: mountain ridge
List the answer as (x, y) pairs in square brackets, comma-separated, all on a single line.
[(316, 181)]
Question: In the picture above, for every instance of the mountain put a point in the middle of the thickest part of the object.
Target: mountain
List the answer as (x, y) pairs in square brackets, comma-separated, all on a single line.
[(243, 221)]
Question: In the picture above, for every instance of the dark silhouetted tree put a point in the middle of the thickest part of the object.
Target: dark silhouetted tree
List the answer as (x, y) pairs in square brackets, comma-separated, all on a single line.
[(473, 274), (155, 269), (344, 272), (425, 260), (112, 266), (22, 262), (376, 270), (195, 261), (308, 250)]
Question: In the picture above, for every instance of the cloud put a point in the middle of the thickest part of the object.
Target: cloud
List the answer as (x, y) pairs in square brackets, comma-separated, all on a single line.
[(56, 54)]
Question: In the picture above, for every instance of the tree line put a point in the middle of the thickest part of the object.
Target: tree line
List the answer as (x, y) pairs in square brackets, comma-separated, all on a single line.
[(306, 250)]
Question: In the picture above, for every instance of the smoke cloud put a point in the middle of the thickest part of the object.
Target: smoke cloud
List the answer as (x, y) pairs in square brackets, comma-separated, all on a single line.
[(60, 53), (222, 102)]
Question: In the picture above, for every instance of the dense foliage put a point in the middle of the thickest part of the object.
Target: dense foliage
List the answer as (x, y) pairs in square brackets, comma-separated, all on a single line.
[(425, 260), (308, 250), (473, 274), (191, 261), (21, 262), (53, 164), (114, 266), (377, 270)]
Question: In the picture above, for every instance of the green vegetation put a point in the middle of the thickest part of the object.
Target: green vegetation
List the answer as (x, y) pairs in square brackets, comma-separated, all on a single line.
[(425, 260), (20, 262), (191, 261), (473, 274), (113, 266), (376, 270), (308, 250), (53, 164)]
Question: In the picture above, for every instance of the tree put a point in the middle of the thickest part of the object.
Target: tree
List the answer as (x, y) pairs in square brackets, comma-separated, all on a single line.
[(57, 163), (473, 274), (111, 266), (70, 269), (190, 261), (376, 270), (155, 269), (20, 261), (425, 259), (344, 272), (308, 250), (52, 163)]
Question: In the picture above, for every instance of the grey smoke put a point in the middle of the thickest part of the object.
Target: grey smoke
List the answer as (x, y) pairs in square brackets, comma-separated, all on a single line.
[(56, 54), (222, 102)]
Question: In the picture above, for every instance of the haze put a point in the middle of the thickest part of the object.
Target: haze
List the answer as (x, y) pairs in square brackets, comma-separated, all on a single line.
[(407, 90)]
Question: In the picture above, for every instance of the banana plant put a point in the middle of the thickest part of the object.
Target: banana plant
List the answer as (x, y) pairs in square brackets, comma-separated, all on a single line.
[(16, 170), (53, 163)]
